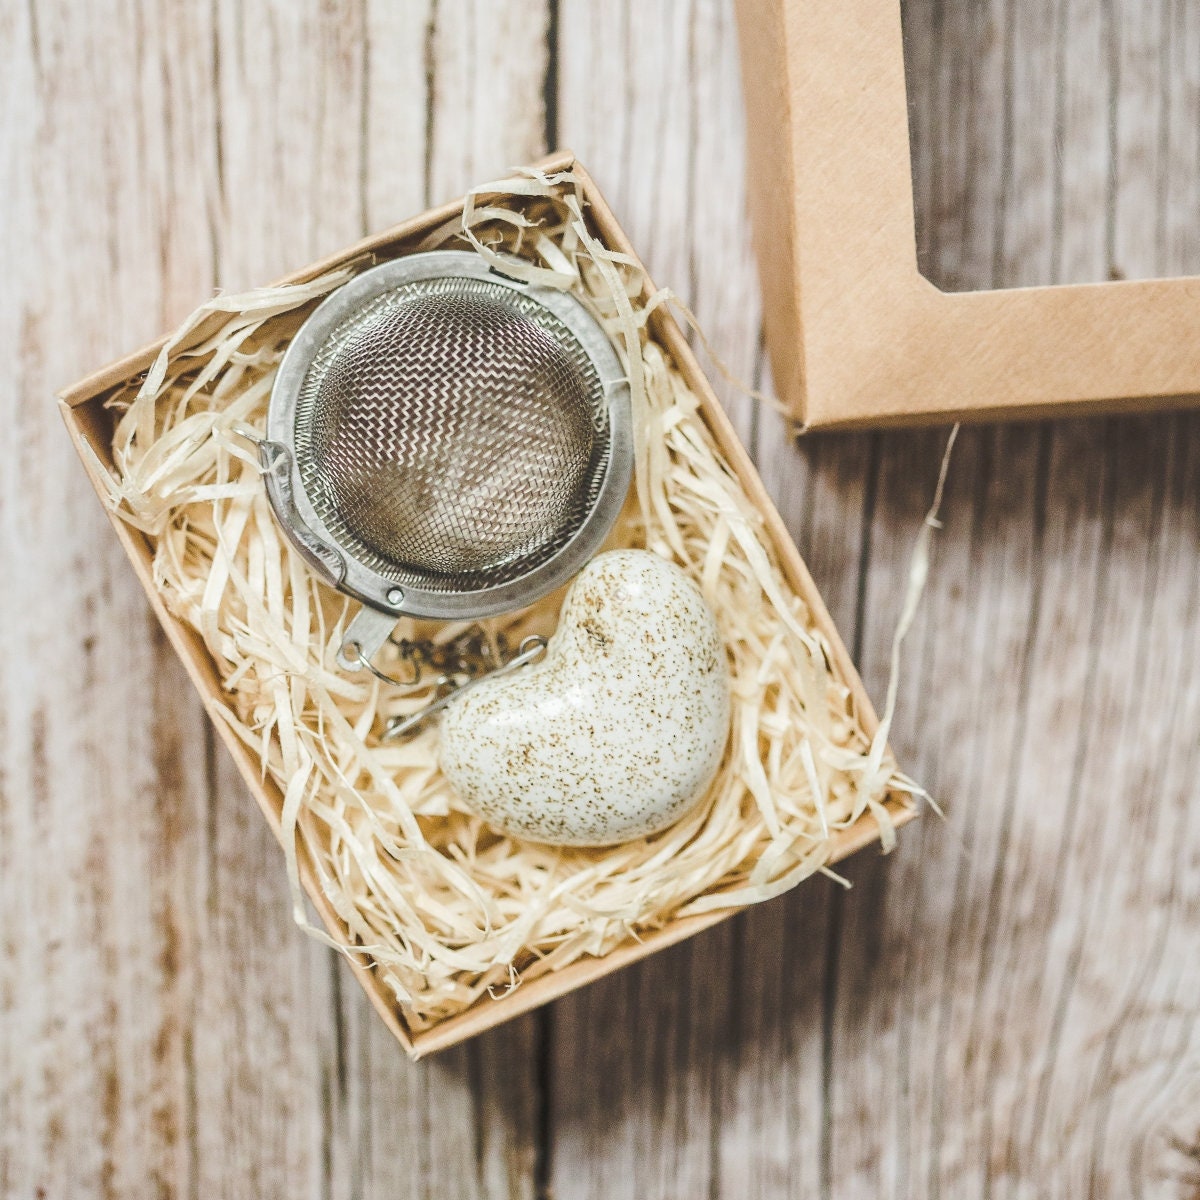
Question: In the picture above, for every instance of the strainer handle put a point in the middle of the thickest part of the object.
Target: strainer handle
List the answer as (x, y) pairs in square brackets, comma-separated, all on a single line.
[(364, 636)]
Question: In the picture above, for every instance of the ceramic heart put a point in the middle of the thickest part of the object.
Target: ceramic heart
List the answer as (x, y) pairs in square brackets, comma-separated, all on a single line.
[(617, 731)]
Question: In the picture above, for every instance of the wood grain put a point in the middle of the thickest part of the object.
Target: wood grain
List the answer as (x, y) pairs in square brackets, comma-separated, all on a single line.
[(1006, 1007), (166, 1029)]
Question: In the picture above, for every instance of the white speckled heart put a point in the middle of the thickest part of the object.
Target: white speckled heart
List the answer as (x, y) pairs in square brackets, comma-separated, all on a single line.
[(618, 731)]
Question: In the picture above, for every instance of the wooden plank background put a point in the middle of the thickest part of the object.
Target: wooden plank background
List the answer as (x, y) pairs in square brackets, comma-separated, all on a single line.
[(1007, 1007)]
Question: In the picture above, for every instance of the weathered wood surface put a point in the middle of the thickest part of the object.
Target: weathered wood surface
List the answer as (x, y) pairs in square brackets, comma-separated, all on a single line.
[(1006, 1007)]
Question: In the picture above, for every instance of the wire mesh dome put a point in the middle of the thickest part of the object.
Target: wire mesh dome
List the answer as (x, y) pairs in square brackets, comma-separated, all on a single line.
[(457, 442)]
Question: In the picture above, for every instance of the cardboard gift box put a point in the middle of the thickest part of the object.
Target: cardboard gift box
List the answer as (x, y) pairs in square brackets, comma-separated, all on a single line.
[(857, 336), (90, 424)]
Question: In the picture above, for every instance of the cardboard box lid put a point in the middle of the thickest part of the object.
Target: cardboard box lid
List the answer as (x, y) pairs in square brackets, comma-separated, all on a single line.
[(857, 336)]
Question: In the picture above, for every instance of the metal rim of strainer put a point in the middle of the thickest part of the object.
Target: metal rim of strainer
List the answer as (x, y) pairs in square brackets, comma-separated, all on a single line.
[(341, 567)]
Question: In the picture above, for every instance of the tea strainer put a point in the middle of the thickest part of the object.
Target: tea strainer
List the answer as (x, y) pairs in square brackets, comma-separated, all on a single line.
[(444, 441)]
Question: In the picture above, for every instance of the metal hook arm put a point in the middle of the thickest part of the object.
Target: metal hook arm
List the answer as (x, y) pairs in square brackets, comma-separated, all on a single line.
[(531, 649)]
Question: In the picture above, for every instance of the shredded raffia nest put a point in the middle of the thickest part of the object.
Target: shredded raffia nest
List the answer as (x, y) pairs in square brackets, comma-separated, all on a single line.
[(446, 907)]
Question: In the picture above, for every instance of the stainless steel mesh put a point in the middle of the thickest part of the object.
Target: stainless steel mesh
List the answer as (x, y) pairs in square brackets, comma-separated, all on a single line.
[(452, 434)]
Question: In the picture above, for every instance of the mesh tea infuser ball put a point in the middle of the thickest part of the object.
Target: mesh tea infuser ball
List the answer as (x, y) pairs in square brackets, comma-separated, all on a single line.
[(444, 441)]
